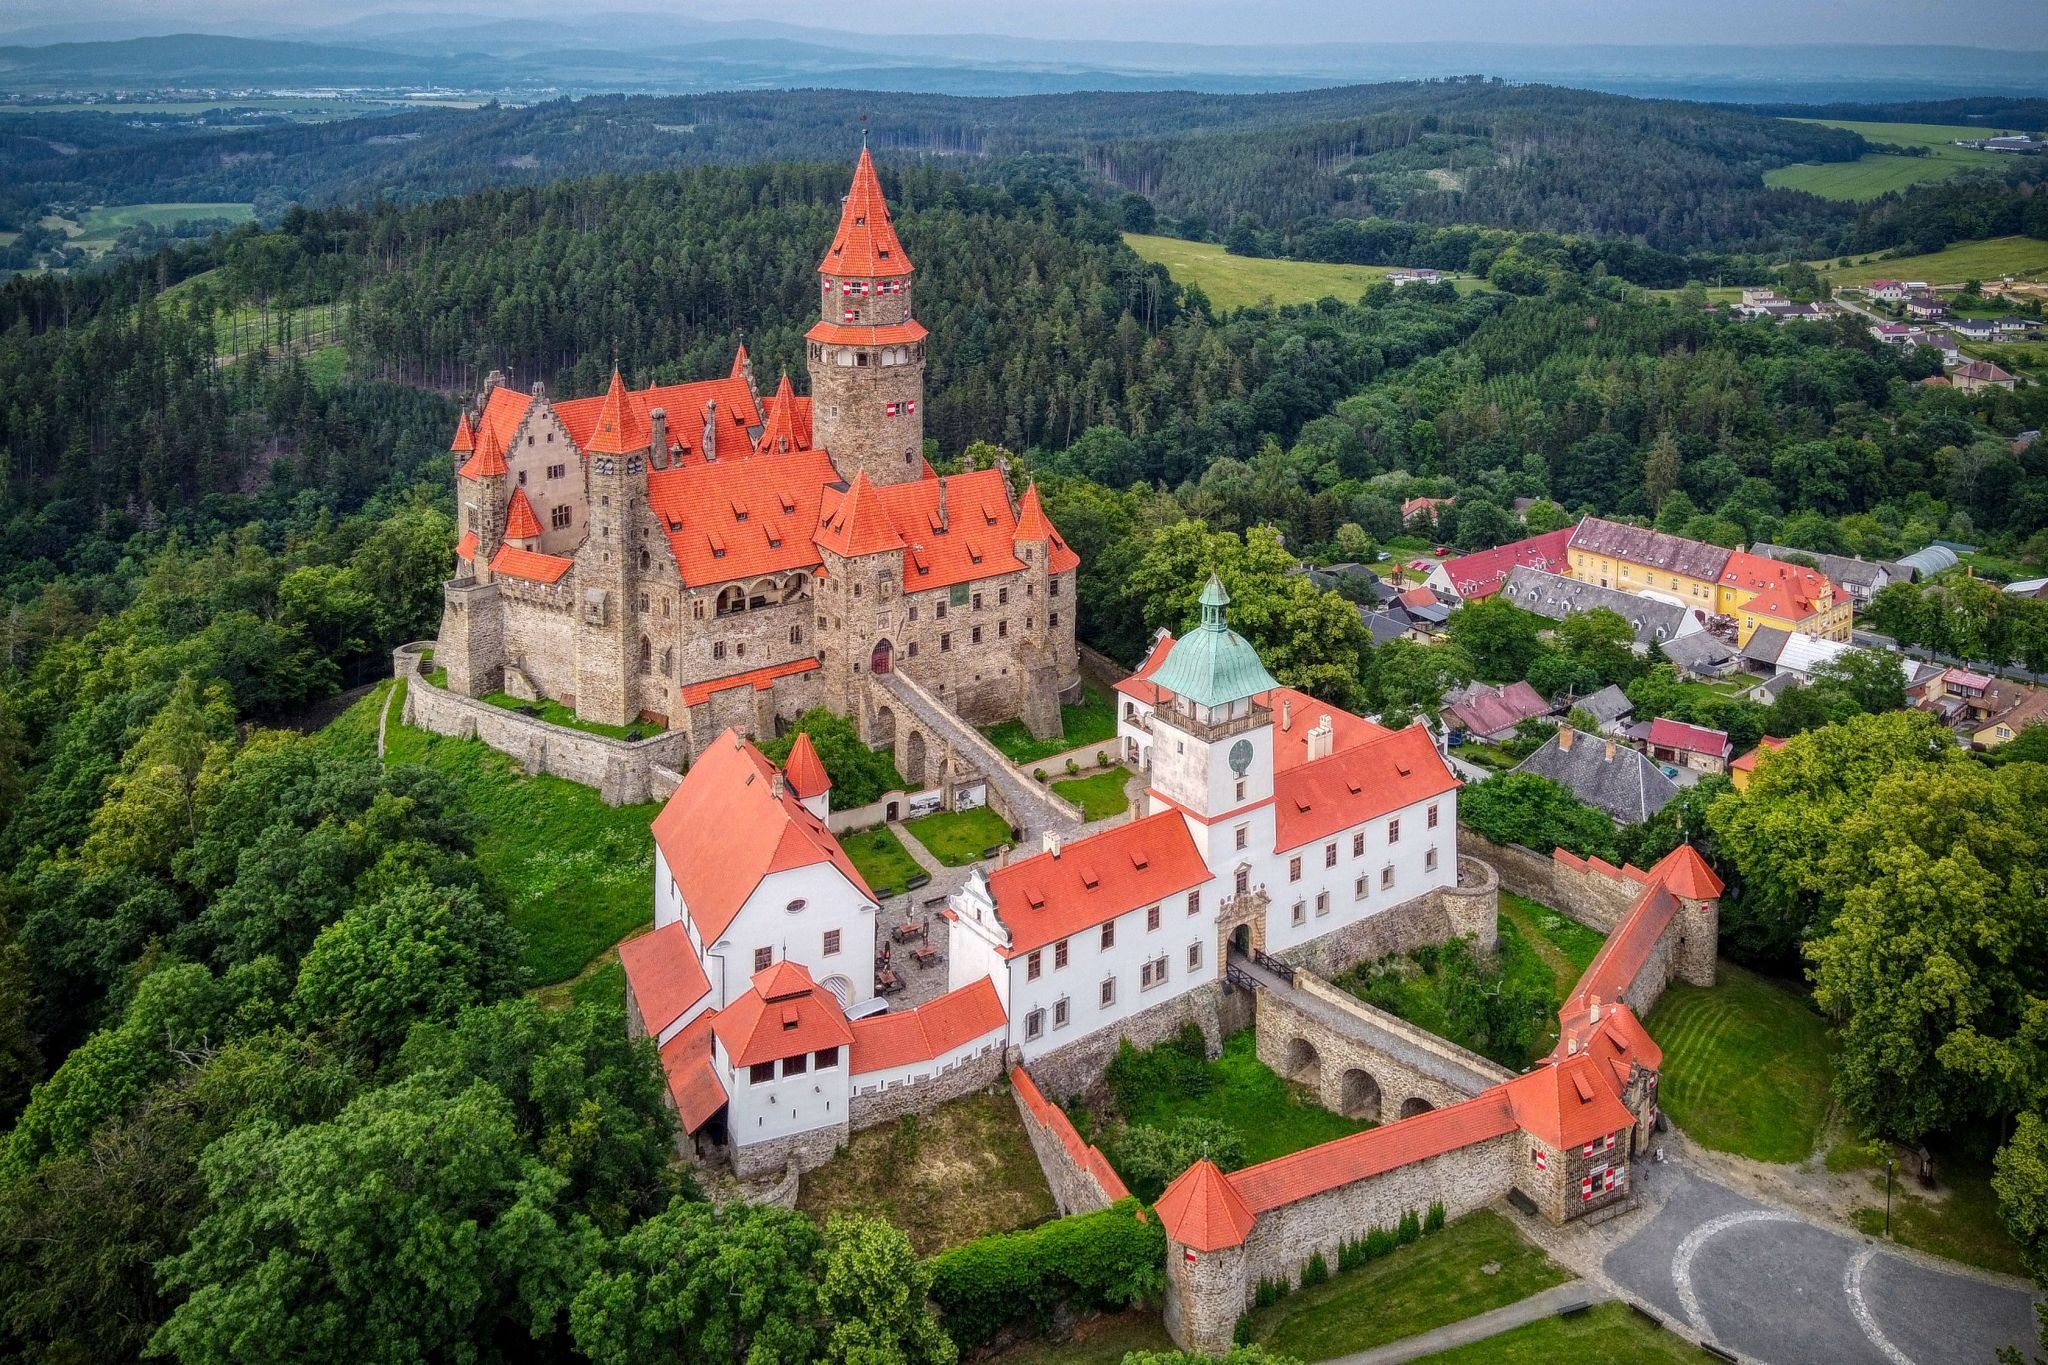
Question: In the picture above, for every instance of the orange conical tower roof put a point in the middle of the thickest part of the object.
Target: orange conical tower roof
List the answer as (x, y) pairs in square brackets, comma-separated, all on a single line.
[(465, 439), (1203, 1211), (859, 525), (489, 459), (739, 362), (1686, 874), (620, 428), (781, 424), (865, 245), (1033, 524), (805, 770), (520, 521)]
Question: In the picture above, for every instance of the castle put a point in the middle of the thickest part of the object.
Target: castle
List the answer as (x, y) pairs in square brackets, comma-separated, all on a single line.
[(696, 558)]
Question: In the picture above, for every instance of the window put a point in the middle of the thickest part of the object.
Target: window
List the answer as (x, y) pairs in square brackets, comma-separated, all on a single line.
[(1059, 955), (1432, 817), (1294, 868), (1429, 861), (977, 635), (764, 958), (1358, 891), (977, 601), (1062, 1010), (1002, 597), (1330, 854), (1109, 936), (760, 1073), (1108, 992), (1243, 833), (1194, 957), (1054, 590), (1152, 918), (1358, 844), (796, 906), (1301, 912), (913, 612), (1393, 831), (1032, 965), (1194, 902), (1240, 789), (938, 611), (1152, 974), (1054, 619), (1244, 880), (831, 943), (1387, 877), (913, 649), (1322, 902), (945, 643), (718, 649), (825, 1058), (558, 515), (797, 1065), (556, 471), (1034, 1024), (1002, 630)]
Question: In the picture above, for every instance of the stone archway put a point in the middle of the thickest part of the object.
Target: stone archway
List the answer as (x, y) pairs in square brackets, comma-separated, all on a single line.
[(878, 662), (1414, 1105), (1241, 940), (884, 736), (913, 758), (1305, 1065), (1360, 1097)]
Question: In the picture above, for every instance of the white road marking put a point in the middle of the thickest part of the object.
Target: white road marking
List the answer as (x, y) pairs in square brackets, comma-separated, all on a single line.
[(1681, 1261), (1852, 1285)]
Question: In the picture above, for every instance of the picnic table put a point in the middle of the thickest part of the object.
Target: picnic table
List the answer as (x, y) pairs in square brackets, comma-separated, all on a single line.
[(912, 929), (925, 954), (886, 982)]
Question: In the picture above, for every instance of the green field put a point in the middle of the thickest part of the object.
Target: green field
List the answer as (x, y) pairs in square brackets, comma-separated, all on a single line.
[(1746, 1065), (1874, 174), (96, 229), (1605, 1334), (1990, 259), (1241, 281), (880, 858)]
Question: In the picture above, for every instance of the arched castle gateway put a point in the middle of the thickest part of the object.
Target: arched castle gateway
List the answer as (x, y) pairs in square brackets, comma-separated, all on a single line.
[(694, 556)]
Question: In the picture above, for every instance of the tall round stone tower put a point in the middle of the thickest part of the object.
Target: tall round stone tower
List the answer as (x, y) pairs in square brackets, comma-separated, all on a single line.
[(867, 350)]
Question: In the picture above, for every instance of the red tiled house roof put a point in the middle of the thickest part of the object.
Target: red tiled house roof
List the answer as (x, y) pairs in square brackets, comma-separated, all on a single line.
[(1203, 1210), (865, 245), (520, 521), (665, 976), (1354, 785), (1139, 684), (734, 519), (1666, 733), (807, 775), (465, 439), (692, 1081), (974, 539), (531, 565), (1126, 867), (933, 1029), (760, 679), (1481, 575), (781, 1015), (1032, 524)]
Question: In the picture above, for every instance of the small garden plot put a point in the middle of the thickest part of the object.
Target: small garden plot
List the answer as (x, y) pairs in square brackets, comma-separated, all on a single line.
[(1100, 796), (959, 837), (1091, 720), (880, 858), (962, 1171)]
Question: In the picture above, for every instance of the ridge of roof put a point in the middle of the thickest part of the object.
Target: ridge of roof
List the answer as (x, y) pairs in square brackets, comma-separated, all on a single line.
[(930, 1031), (1034, 524), (859, 524), (1049, 896)]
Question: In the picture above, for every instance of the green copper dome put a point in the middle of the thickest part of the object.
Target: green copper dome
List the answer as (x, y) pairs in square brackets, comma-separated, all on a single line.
[(1213, 665)]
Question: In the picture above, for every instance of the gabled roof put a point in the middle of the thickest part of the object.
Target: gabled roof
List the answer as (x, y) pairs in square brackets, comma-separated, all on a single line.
[(933, 1029), (1487, 711), (1567, 1102), (865, 244), (520, 521), (1358, 784), (1124, 868), (1655, 549), (1033, 524), (856, 524), (735, 519), (806, 771), (531, 565), (1481, 575), (1609, 703), (1765, 644), (782, 1015), (1295, 714), (1666, 733), (692, 1081), (786, 424), (465, 439), (760, 679), (975, 538), (1652, 619), (736, 415), (666, 978), (1201, 1210), (1612, 777), (724, 829), (621, 428)]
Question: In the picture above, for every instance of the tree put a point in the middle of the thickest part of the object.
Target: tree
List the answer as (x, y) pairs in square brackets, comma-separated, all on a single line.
[(1150, 1157), (2021, 1183), (1353, 545), (859, 774), (1871, 679), (1545, 516), (1600, 641), (1661, 473), (1537, 813), (1483, 523), (1900, 610), (1498, 635), (1411, 677), (872, 1289)]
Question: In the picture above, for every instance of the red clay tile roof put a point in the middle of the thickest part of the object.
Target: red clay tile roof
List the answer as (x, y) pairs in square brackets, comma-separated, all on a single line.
[(931, 1030), (737, 414), (865, 245), (735, 519), (1201, 1210), (465, 548), (489, 459), (465, 439), (1696, 739), (1313, 1170), (1033, 524), (1686, 872), (787, 424), (724, 829), (782, 1015), (760, 679), (976, 539), (692, 1082), (1614, 968), (1357, 784), (806, 771), (1567, 1102), (1747, 763), (1782, 603), (1414, 505), (664, 974), (739, 364), (1481, 575), (855, 524), (531, 565), (504, 410), (1055, 1120), (1139, 684), (621, 428), (520, 521), (849, 334), (1123, 868), (1491, 712), (1290, 736)]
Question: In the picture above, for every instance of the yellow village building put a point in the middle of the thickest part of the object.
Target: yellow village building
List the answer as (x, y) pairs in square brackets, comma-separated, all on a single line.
[(1750, 589)]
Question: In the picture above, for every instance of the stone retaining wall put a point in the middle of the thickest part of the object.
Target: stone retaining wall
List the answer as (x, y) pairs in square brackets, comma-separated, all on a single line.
[(1068, 1071), (623, 773), (922, 1094), (1598, 902), (1078, 1175), (804, 1151)]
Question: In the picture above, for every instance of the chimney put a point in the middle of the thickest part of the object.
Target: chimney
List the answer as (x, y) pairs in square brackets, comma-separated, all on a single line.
[(711, 430), (494, 380), (658, 421), (776, 785), (1322, 739), (942, 505), (1564, 737), (1286, 713), (540, 391), (1610, 752), (1593, 1014), (1052, 842)]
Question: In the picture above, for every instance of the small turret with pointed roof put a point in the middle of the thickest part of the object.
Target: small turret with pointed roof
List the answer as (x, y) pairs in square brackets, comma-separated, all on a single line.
[(781, 431), (487, 461), (620, 429), (521, 524), (743, 367), (808, 780), (465, 439)]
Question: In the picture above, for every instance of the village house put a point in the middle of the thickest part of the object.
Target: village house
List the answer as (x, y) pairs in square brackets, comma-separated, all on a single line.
[(1752, 589), (1470, 578), (1658, 619), (1604, 774), (1980, 374), (1688, 746), (1891, 291), (1926, 306), (1492, 713), (1744, 768)]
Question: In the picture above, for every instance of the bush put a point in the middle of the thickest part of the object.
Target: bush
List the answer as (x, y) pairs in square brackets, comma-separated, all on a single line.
[(1315, 1272), (1038, 773), (1175, 1067), (1073, 766), (1411, 1228), (1434, 1222), (1106, 1260), (859, 774), (1271, 1292), (1102, 758), (1149, 1157), (1522, 808)]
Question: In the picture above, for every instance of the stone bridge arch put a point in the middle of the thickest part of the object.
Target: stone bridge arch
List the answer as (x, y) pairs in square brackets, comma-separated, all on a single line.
[(1304, 1065), (1359, 1095)]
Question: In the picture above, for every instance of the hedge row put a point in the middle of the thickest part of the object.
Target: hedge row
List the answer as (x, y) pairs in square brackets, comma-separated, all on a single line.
[(1110, 1259)]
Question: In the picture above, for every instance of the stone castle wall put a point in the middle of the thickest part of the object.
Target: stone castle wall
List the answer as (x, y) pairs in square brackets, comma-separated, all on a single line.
[(924, 1092), (805, 1151), (1594, 900), (1078, 1175)]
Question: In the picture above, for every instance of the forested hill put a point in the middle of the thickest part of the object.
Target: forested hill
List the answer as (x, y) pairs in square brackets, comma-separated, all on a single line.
[(1468, 150)]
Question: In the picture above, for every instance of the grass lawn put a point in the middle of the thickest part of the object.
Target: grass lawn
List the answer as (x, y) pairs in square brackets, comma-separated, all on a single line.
[(1565, 946), (1989, 259), (1426, 1284), (577, 875), (1486, 755), (1274, 1117), (1100, 796), (1958, 1221), (1605, 1334), (554, 713), (1101, 1340), (1746, 1065), (882, 861), (960, 1172), (1875, 173), (1241, 281), (1423, 988), (1091, 720), (959, 837)]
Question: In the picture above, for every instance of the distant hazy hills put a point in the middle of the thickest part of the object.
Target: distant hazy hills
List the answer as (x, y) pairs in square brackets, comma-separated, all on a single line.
[(656, 54)]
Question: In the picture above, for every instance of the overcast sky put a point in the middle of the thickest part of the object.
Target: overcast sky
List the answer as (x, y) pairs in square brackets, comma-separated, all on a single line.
[(2006, 23)]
